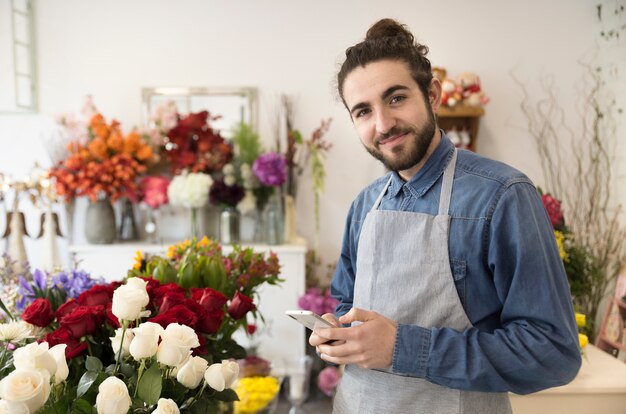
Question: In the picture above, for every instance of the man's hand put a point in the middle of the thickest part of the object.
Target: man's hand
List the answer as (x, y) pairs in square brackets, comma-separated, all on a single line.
[(368, 345), (317, 337)]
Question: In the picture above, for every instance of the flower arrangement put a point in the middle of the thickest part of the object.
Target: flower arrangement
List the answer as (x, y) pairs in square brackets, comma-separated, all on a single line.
[(328, 379), (193, 145), (270, 169), (105, 162), (255, 394), (191, 191), (318, 301), (160, 342), (153, 190)]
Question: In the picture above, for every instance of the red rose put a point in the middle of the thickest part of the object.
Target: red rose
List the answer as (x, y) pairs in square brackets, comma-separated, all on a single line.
[(97, 295), (240, 305), (67, 308), (251, 329), (170, 300), (209, 321), (209, 298), (110, 318), (39, 313), (177, 314), (159, 292), (84, 320), (64, 336)]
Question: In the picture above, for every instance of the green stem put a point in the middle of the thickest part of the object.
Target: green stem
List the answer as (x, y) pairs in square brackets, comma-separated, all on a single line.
[(118, 359), (195, 397), (142, 367)]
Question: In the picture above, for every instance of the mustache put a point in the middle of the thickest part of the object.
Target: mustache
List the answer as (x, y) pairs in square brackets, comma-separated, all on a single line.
[(396, 130)]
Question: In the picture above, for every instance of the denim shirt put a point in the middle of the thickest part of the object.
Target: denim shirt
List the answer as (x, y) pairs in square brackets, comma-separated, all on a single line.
[(507, 272)]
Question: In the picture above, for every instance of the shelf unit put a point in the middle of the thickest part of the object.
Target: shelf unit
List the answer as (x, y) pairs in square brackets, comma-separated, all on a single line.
[(614, 321), (461, 116)]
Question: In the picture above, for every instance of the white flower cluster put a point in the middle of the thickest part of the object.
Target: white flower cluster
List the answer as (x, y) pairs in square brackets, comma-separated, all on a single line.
[(190, 190), (27, 388)]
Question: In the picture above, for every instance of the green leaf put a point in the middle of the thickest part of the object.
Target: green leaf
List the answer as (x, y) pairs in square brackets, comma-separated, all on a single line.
[(82, 406), (5, 310), (86, 381), (186, 276), (227, 395), (93, 364), (150, 384), (159, 272)]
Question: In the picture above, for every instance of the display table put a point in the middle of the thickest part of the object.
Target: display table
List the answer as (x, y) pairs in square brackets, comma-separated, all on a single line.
[(280, 339), (599, 388)]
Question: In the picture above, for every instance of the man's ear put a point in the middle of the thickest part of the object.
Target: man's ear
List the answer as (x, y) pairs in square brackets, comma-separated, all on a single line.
[(434, 94)]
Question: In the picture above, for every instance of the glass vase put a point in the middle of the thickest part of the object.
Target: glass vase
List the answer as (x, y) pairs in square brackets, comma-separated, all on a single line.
[(229, 225), (128, 226), (274, 221), (194, 230), (151, 226)]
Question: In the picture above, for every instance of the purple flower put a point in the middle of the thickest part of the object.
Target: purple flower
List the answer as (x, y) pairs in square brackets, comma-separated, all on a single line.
[(317, 302), (270, 168), (75, 283), (27, 292), (328, 379)]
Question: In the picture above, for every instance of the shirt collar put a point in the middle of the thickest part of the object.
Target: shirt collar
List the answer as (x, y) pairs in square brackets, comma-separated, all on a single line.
[(428, 175)]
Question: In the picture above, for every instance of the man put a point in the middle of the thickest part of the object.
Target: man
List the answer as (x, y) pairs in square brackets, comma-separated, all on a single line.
[(449, 272)]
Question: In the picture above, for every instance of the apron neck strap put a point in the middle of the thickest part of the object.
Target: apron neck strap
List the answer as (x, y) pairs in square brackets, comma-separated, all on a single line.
[(446, 186)]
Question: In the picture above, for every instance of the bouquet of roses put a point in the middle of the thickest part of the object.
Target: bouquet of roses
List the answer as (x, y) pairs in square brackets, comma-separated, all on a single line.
[(105, 162)]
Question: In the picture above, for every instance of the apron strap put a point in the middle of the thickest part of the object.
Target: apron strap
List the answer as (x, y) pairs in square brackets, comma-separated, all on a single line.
[(446, 186), (380, 196)]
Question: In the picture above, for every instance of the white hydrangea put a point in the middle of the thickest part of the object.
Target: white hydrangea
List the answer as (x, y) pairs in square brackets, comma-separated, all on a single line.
[(190, 190)]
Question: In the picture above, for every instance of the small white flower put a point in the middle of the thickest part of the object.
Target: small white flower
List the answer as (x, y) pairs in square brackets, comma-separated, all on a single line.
[(228, 169), (130, 299), (247, 203), (230, 180), (35, 356), (58, 353), (113, 397), (222, 375), (190, 190), (190, 374), (15, 331), (116, 341), (145, 342), (166, 406)]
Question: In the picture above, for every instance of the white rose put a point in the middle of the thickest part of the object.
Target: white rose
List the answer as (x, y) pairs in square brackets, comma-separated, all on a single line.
[(145, 342), (177, 341), (166, 406), (26, 386), (112, 397), (221, 376), (197, 188), (116, 341), (190, 374), (8, 407), (130, 299), (58, 353), (35, 356)]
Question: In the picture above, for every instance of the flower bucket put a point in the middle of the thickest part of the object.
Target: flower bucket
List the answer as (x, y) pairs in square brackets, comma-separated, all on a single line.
[(100, 222)]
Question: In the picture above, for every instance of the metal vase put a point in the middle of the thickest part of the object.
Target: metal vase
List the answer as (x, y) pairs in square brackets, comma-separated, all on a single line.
[(229, 225), (100, 222)]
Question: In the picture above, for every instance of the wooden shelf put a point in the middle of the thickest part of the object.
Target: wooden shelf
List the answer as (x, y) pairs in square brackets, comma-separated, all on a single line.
[(461, 117)]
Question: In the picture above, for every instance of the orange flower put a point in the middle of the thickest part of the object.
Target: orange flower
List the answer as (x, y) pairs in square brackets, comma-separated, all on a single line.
[(144, 153), (115, 141), (98, 148), (132, 143)]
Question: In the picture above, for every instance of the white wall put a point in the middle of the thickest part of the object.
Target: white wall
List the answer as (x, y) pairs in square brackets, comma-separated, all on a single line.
[(111, 49)]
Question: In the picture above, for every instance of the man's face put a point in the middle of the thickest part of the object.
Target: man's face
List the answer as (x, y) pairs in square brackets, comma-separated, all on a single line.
[(391, 115)]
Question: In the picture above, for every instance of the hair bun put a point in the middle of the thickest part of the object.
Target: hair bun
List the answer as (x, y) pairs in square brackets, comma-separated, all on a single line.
[(389, 28)]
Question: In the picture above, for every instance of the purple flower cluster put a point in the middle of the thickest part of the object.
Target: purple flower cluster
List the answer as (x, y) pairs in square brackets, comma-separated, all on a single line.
[(69, 284), (328, 379), (270, 168), (75, 282), (227, 195), (318, 302)]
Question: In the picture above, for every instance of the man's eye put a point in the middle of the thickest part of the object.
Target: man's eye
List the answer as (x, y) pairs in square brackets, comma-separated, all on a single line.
[(361, 113), (397, 98)]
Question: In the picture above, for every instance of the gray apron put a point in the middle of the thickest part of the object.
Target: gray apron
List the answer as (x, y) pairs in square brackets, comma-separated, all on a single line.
[(403, 273)]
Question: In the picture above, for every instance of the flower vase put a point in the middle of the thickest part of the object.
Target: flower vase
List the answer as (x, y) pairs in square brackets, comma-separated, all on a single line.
[(291, 235), (194, 230), (260, 233), (151, 226), (274, 220), (128, 228), (100, 222), (229, 225)]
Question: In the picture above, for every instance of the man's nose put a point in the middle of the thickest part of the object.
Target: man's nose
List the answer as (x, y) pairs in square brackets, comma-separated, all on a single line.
[(384, 121)]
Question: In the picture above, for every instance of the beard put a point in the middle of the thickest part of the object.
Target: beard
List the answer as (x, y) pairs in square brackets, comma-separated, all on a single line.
[(411, 152)]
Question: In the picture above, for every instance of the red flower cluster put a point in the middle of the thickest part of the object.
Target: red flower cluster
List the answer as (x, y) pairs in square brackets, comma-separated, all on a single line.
[(553, 207), (194, 145), (250, 269), (90, 315)]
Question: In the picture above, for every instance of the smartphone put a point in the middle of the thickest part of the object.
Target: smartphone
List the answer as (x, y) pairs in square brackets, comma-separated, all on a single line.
[(309, 319)]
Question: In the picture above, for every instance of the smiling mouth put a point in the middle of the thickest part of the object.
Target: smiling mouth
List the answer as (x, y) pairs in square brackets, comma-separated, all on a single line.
[(392, 139)]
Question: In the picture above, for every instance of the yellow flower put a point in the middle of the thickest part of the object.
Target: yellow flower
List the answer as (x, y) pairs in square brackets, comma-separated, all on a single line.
[(581, 319), (582, 340), (204, 242), (560, 242), (138, 260), (255, 393)]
